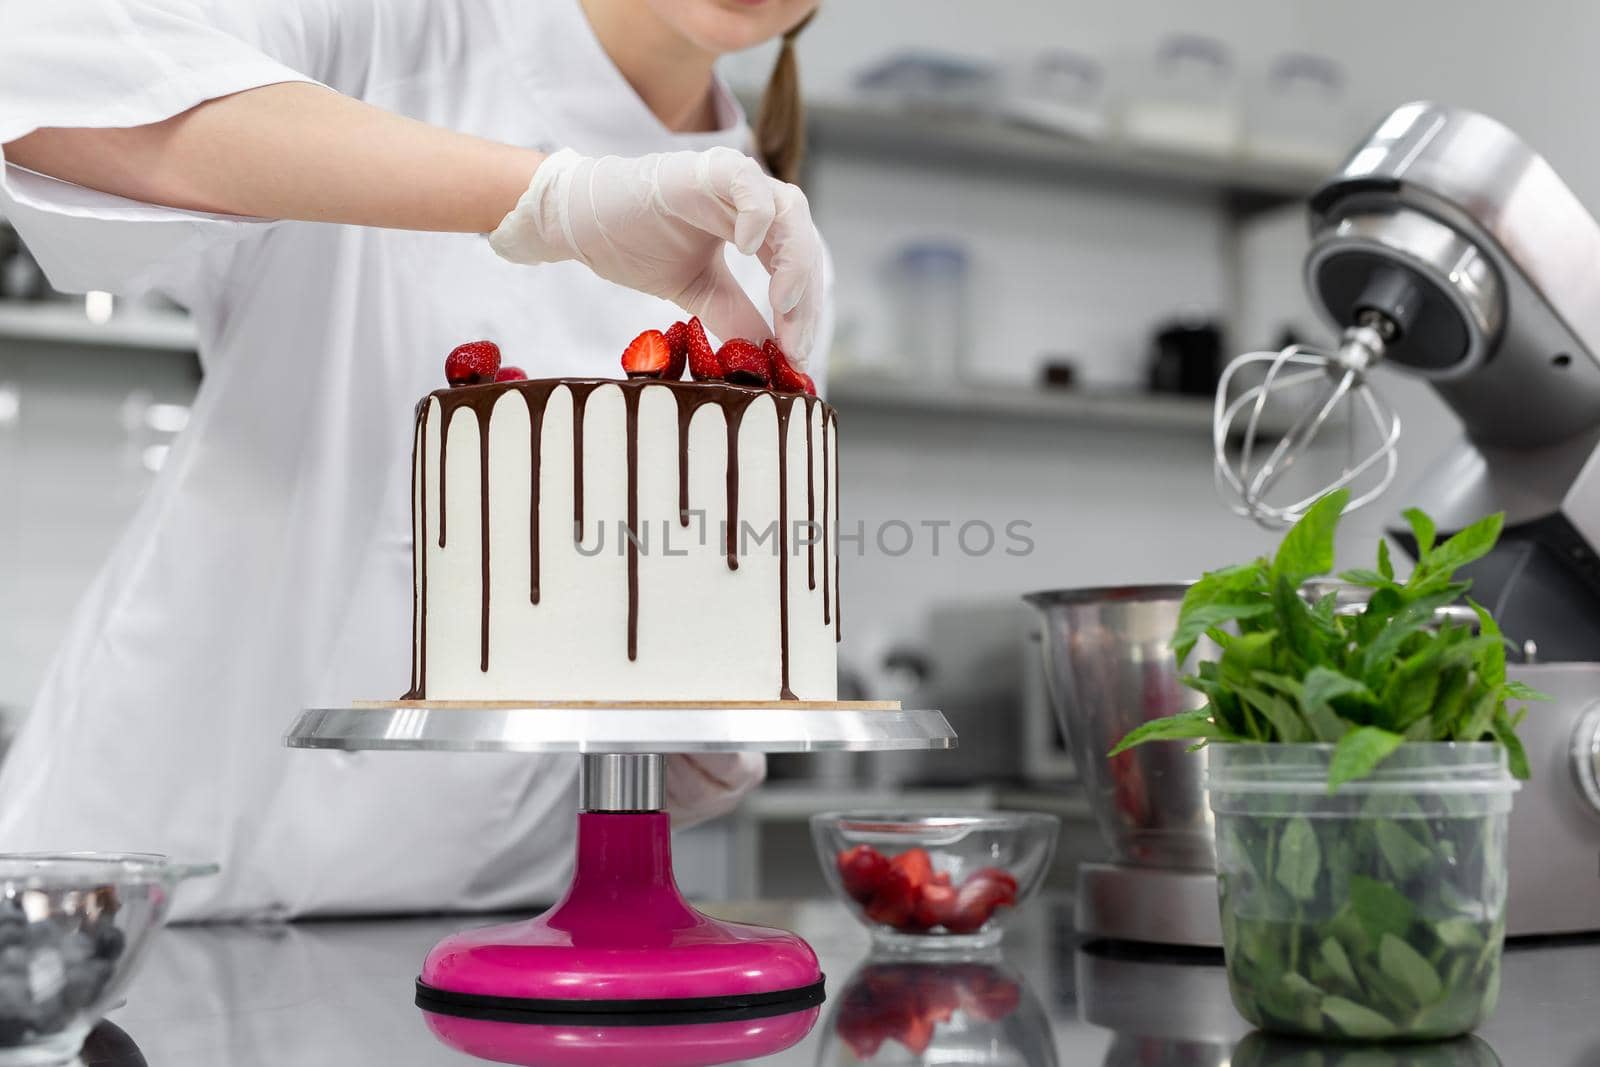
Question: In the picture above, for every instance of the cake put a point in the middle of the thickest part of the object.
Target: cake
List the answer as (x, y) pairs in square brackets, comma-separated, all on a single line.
[(611, 540)]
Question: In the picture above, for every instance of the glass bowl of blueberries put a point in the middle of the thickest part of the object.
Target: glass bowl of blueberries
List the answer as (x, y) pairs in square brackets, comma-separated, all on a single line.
[(935, 882), (73, 930)]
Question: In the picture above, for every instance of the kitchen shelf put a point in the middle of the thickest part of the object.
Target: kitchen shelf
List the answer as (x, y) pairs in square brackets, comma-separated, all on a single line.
[(64, 322), (946, 139), (1113, 408)]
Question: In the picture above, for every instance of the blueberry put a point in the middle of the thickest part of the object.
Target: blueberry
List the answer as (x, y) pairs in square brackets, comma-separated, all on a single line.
[(16, 998), (14, 961), (12, 932), (109, 942)]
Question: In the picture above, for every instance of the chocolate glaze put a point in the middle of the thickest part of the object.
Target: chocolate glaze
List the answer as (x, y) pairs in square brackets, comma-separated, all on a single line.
[(811, 508), (580, 402), (689, 397), (538, 398), (785, 405), (829, 415), (630, 406), (419, 533), (825, 614)]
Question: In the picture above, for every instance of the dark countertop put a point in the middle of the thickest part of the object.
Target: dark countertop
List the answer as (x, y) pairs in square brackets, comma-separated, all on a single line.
[(339, 993)]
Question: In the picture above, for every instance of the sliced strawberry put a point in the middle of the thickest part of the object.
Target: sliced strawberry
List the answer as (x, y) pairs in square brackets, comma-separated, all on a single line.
[(916, 1035), (703, 363), (895, 900), (473, 363), (678, 345), (742, 362), (785, 379), (862, 870), (976, 902), (995, 874), (915, 864), (940, 878), (811, 386), (510, 374), (647, 355), (935, 904)]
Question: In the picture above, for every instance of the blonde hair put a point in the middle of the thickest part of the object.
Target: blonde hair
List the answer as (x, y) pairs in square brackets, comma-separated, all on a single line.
[(781, 123)]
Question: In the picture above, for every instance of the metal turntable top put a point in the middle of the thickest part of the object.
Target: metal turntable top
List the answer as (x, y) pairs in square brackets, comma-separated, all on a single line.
[(622, 726)]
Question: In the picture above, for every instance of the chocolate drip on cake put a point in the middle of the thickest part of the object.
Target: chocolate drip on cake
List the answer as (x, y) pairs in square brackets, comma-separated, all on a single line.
[(839, 592), (811, 507), (785, 404), (825, 612), (481, 402), (537, 397), (734, 416), (630, 404), (689, 401), (580, 402), (419, 527)]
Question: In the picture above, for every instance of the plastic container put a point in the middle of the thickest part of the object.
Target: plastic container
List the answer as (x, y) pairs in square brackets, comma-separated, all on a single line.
[(1376, 912), (935, 882)]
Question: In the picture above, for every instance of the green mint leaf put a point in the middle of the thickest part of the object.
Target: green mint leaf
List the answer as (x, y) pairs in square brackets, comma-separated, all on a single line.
[(1287, 725), (1324, 685), (1463, 934), (1422, 529), (1505, 731), (1405, 855), (1184, 726), (1470, 544), (1355, 1021), (1358, 754), (1366, 578), (1491, 663), (1480, 719), (1407, 967), (1385, 564), (1193, 623), (1307, 549), (1299, 859), (1380, 908), (1338, 961), (1523, 691)]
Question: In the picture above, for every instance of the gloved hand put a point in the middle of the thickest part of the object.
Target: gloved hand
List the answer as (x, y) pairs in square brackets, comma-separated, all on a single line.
[(658, 224), (702, 787)]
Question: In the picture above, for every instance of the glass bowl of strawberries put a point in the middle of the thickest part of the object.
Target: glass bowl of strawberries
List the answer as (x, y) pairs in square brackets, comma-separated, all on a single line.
[(941, 882)]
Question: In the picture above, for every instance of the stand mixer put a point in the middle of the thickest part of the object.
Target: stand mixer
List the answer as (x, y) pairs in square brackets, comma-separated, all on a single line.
[(622, 948), (1449, 249)]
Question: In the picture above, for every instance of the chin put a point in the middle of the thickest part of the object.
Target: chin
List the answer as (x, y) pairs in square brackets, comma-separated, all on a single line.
[(723, 26)]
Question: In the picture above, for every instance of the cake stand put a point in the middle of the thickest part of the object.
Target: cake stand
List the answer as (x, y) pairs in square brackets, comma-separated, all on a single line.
[(622, 946)]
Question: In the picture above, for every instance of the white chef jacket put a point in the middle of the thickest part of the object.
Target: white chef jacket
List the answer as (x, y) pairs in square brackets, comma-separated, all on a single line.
[(269, 569)]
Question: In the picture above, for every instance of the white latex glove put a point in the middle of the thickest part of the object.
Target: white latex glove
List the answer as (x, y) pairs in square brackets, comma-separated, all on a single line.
[(702, 787), (658, 224)]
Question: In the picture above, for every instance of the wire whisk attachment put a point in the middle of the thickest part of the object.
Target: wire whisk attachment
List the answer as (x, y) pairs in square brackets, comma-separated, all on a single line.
[(1247, 483)]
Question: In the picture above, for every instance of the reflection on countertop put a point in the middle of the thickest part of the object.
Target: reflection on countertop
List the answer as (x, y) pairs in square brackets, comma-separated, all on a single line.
[(339, 993)]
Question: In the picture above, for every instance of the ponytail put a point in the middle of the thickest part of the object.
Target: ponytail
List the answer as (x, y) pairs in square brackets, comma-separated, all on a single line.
[(781, 123)]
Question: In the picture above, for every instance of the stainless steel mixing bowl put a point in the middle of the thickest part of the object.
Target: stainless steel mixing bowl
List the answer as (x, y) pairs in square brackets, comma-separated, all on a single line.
[(1109, 667)]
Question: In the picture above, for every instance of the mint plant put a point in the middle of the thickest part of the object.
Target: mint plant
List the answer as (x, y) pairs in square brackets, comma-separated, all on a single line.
[(1379, 914), (1296, 670)]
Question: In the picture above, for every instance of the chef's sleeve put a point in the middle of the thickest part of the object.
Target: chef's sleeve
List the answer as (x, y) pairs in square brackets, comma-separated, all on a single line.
[(120, 63)]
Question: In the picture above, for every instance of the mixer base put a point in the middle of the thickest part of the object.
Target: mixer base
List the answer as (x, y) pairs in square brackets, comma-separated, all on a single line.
[(1148, 904), (623, 947)]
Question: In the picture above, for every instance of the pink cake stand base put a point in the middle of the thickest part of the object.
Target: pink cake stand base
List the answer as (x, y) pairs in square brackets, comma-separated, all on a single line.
[(622, 945)]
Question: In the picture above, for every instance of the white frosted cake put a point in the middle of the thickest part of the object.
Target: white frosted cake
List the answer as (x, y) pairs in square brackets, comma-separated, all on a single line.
[(726, 590)]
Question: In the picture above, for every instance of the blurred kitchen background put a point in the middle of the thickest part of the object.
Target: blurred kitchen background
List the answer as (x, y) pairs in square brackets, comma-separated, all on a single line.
[(1052, 224)]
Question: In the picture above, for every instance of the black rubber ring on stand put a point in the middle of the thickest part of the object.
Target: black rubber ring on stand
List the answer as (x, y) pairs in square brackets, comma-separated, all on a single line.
[(658, 1012)]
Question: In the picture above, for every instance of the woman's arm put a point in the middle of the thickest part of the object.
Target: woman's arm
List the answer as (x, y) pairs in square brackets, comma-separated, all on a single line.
[(294, 151)]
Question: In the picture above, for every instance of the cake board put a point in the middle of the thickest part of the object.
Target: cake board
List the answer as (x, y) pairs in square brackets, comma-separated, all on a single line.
[(622, 946)]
